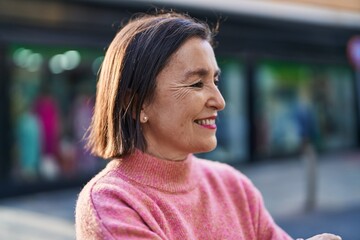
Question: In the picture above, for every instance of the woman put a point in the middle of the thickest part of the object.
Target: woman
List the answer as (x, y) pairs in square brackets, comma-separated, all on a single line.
[(157, 103)]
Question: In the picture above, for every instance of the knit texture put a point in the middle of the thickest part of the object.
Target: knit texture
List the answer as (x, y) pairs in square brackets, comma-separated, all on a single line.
[(143, 197)]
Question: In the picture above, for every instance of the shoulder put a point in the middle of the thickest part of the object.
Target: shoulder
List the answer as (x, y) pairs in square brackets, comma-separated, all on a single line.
[(106, 185), (86, 217), (112, 207), (106, 199), (102, 193)]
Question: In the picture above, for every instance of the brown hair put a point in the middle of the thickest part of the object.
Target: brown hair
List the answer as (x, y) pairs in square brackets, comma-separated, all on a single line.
[(128, 78)]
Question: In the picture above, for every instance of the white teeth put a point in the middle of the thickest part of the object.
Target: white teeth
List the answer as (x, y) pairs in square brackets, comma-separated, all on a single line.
[(205, 121)]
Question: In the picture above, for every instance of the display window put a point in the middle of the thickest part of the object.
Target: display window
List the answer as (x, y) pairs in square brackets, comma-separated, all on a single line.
[(232, 124), (52, 93), (296, 103)]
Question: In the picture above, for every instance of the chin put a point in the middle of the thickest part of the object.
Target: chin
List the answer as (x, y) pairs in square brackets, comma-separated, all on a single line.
[(208, 147)]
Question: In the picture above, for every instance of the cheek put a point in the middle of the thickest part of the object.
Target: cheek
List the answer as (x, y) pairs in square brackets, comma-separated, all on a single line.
[(179, 110), (186, 113)]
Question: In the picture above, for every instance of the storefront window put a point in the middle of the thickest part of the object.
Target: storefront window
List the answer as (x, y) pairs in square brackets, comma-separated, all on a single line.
[(52, 93), (296, 103), (232, 132)]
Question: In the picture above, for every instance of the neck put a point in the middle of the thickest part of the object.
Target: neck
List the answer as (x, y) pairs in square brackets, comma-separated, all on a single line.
[(165, 156)]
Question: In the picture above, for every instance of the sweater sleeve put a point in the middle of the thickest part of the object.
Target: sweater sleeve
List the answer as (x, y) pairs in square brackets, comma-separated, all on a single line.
[(101, 214), (264, 225)]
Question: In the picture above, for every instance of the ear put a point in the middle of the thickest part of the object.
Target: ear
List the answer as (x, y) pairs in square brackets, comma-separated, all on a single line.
[(143, 117)]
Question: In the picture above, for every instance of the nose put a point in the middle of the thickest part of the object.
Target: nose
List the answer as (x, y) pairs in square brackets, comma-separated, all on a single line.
[(216, 100)]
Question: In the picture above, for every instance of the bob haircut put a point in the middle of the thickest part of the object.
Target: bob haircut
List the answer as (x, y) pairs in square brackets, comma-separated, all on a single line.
[(127, 78)]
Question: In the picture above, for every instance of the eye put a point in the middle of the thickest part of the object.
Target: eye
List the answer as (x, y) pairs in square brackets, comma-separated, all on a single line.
[(198, 84), (216, 82)]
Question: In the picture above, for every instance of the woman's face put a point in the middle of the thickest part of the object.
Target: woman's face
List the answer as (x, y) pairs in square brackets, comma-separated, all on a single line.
[(181, 118)]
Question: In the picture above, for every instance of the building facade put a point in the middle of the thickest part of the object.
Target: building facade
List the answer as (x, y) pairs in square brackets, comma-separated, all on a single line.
[(285, 80)]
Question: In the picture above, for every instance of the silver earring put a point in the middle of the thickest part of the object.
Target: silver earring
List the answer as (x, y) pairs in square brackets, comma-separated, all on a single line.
[(145, 119)]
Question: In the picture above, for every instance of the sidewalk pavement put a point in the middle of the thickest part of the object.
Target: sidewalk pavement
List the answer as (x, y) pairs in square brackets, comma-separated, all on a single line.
[(41, 216), (51, 215)]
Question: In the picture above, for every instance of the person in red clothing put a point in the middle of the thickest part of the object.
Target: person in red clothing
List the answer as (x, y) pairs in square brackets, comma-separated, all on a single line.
[(157, 104)]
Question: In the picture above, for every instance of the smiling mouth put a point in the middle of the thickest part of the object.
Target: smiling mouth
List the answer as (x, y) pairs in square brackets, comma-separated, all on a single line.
[(205, 122), (208, 123)]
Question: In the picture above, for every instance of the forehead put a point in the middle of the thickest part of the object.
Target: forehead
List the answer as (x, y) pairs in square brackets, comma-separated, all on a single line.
[(193, 55)]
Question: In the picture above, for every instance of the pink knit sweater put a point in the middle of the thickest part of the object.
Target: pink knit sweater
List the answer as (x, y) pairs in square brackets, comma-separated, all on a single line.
[(143, 197)]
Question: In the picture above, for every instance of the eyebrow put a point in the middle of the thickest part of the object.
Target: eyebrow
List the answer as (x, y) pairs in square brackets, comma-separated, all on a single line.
[(201, 72)]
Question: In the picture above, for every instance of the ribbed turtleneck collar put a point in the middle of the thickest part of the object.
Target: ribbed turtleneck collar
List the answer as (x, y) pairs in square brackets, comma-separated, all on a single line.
[(165, 175)]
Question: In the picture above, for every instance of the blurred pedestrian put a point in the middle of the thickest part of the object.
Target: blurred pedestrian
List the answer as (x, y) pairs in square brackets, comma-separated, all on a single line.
[(305, 119), (157, 103)]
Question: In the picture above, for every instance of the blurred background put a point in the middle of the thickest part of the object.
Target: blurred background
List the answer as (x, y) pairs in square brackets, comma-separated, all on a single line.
[(290, 77)]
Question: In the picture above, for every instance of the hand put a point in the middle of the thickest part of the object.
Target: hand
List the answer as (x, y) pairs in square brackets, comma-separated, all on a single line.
[(324, 236)]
